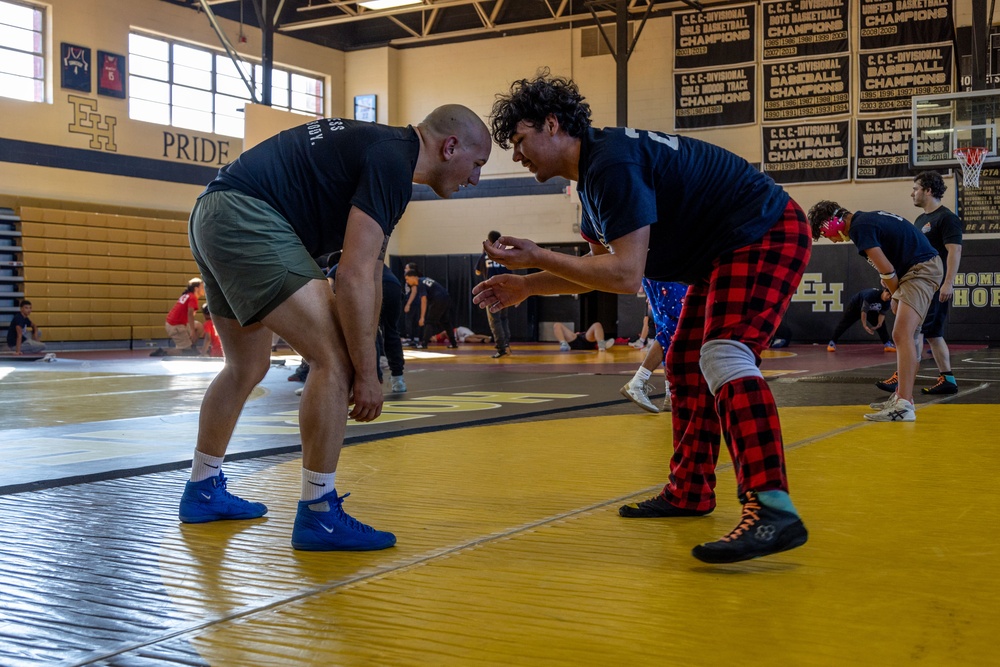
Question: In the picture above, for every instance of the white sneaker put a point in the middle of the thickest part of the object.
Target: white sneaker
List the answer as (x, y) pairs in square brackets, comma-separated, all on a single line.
[(603, 345), (666, 407), (638, 393), (298, 392), (638, 344), (564, 346), (896, 410), (881, 405), (398, 384)]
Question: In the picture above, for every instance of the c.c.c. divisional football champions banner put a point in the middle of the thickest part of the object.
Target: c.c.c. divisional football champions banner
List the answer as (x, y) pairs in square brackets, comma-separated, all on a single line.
[(807, 152)]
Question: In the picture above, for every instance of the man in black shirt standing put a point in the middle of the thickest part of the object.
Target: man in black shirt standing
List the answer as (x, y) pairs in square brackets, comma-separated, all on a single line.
[(944, 230), (434, 305), (331, 184)]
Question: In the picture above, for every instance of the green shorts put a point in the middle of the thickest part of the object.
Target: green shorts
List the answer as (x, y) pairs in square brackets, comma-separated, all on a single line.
[(250, 257)]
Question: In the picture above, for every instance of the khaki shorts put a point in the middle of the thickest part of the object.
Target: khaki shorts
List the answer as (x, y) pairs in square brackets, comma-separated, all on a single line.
[(250, 257), (180, 334), (918, 285)]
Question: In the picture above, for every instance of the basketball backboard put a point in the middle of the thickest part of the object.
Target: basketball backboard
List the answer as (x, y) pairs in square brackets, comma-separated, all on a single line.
[(942, 123)]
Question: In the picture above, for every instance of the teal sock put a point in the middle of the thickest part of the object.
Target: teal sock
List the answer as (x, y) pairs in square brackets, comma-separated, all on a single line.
[(779, 500), (948, 377)]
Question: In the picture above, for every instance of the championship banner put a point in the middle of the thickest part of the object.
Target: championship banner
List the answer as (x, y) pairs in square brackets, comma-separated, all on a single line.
[(796, 28), (715, 37), (890, 78), (715, 98), (808, 152), (882, 146), (890, 23), (807, 88), (979, 208)]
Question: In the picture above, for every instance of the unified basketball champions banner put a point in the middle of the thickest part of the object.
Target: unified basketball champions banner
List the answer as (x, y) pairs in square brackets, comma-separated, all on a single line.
[(890, 23)]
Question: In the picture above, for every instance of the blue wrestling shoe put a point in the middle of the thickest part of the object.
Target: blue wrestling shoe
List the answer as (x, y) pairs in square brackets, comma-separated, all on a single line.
[(323, 525), (208, 500)]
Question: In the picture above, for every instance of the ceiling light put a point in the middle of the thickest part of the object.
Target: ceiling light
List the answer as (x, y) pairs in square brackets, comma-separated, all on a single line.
[(388, 4)]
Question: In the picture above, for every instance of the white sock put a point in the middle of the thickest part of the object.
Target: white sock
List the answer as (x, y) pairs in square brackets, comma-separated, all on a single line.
[(643, 374), (315, 485), (204, 466)]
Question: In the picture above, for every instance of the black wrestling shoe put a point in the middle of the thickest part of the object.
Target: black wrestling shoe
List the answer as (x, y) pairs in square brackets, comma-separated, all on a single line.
[(655, 508), (762, 531)]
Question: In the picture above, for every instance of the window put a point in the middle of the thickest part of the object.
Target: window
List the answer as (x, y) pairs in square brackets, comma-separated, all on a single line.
[(200, 89), (22, 62)]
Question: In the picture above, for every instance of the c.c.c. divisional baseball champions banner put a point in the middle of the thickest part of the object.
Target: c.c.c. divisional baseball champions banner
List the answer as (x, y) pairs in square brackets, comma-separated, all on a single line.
[(888, 79), (807, 152), (807, 87)]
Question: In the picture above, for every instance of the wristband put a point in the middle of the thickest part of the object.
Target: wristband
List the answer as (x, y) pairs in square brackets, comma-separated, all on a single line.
[(887, 276)]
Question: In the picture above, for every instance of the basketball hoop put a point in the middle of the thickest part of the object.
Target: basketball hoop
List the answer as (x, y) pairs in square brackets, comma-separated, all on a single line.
[(971, 160)]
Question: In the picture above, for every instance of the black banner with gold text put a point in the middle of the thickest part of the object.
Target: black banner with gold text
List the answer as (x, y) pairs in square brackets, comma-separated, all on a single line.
[(882, 146), (886, 24), (797, 28), (807, 88), (715, 98), (807, 152), (715, 37), (888, 79)]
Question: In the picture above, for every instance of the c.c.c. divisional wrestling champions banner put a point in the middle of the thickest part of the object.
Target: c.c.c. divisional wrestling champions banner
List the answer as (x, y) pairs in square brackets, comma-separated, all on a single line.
[(883, 146), (807, 152), (797, 28)]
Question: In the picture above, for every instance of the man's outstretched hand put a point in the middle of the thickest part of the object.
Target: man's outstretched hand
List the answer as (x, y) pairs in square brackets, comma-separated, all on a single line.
[(514, 253), (503, 291)]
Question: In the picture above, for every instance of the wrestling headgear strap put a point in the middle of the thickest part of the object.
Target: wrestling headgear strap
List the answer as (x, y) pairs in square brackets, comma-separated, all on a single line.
[(835, 226)]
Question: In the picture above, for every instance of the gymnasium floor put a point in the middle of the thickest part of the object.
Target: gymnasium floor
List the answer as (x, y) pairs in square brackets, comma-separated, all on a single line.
[(501, 480)]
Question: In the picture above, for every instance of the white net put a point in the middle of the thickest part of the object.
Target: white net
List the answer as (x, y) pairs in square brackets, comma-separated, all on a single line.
[(971, 161)]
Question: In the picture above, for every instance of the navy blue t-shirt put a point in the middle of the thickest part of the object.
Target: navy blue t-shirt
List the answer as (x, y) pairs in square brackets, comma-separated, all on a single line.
[(18, 320), (869, 300), (314, 173), (902, 244), (490, 267), (432, 289), (699, 200)]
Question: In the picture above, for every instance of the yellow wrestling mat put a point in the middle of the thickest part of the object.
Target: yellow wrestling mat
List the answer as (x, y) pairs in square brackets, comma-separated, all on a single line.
[(510, 552)]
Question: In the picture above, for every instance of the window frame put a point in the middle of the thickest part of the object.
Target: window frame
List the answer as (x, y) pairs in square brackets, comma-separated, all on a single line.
[(215, 92), (40, 71)]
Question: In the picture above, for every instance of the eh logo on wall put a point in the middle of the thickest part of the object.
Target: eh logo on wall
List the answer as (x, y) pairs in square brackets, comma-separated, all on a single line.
[(825, 298)]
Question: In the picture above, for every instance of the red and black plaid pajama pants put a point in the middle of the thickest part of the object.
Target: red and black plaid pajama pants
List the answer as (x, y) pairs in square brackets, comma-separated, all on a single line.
[(744, 299)]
